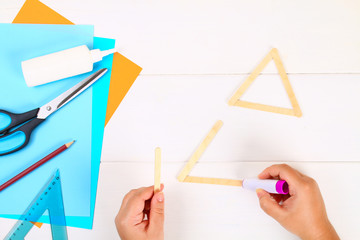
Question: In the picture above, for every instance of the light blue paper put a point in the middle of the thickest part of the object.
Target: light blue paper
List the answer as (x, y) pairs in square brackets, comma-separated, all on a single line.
[(99, 103), (73, 121), (100, 98)]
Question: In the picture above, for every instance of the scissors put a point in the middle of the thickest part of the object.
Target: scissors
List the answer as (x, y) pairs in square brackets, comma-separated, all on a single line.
[(16, 129)]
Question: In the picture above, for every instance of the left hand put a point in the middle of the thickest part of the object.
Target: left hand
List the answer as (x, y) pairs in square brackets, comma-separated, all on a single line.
[(141, 215)]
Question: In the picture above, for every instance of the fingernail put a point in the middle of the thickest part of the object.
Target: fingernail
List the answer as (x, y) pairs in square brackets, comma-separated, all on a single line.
[(160, 197), (259, 192)]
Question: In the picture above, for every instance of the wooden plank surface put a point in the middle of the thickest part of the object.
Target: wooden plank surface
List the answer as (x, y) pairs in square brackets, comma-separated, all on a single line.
[(222, 37), (201, 211), (186, 107), (7, 14), (208, 48), (9, 4)]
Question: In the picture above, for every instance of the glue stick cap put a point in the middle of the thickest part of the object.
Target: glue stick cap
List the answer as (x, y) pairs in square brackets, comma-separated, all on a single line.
[(60, 65), (282, 187)]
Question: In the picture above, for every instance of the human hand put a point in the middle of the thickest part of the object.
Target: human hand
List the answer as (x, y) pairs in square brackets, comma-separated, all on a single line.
[(302, 211), (141, 215)]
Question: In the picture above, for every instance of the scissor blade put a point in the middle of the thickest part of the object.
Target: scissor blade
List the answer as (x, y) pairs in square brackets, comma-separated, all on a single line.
[(70, 94)]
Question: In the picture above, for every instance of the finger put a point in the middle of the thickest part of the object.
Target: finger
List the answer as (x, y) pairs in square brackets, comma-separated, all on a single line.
[(282, 171), (156, 221), (269, 205), (130, 194), (278, 197), (286, 197), (126, 199), (144, 193), (148, 202), (136, 201)]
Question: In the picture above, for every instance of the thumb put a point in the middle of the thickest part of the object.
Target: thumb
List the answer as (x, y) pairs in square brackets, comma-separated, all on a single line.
[(156, 220), (269, 205)]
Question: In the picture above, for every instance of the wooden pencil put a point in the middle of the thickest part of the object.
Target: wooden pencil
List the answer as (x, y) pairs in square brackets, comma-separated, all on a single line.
[(36, 165)]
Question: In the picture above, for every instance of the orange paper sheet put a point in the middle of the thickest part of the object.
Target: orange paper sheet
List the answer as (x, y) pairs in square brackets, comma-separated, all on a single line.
[(124, 72)]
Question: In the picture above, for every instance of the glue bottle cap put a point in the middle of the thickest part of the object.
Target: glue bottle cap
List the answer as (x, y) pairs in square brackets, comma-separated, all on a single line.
[(98, 55)]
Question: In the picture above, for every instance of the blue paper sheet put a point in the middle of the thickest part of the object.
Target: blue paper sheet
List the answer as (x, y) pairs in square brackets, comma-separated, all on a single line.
[(100, 97), (74, 121)]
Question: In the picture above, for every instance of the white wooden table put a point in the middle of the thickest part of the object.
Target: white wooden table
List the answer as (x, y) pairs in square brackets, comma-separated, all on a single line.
[(195, 54)]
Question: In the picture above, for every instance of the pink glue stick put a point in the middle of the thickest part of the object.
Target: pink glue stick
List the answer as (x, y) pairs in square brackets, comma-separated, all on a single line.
[(269, 185)]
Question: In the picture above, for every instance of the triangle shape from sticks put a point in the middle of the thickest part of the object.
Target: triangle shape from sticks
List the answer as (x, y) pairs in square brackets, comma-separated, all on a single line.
[(272, 55), (184, 174)]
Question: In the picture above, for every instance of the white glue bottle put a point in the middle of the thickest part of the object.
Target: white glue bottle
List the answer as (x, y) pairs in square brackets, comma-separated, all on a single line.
[(63, 64)]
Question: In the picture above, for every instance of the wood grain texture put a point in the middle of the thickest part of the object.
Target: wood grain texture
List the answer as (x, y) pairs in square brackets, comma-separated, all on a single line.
[(199, 151)]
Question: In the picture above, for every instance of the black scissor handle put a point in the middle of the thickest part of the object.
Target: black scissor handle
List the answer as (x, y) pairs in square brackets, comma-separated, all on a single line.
[(17, 139), (17, 119)]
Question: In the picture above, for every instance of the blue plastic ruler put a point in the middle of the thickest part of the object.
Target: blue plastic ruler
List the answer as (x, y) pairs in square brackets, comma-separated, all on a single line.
[(49, 198)]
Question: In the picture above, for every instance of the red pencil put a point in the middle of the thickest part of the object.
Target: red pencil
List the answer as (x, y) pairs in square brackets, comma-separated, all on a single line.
[(36, 165)]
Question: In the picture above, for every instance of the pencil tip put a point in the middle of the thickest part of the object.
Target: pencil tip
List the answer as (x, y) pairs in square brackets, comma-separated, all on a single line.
[(69, 144)]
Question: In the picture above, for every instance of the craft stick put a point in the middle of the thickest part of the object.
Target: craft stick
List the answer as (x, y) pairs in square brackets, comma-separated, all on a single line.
[(279, 65), (157, 169), (250, 79), (263, 107), (235, 99), (199, 151), (216, 181)]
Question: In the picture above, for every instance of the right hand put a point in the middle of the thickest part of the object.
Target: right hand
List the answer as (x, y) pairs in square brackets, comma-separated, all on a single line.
[(302, 211)]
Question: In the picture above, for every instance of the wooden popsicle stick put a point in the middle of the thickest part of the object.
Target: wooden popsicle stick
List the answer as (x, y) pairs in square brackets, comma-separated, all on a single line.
[(254, 74), (235, 99), (216, 181), (199, 151), (263, 107), (280, 67), (157, 169)]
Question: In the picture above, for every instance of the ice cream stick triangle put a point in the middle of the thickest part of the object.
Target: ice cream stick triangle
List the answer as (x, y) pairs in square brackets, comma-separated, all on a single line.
[(272, 55), (184, 174), (199, 151)]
